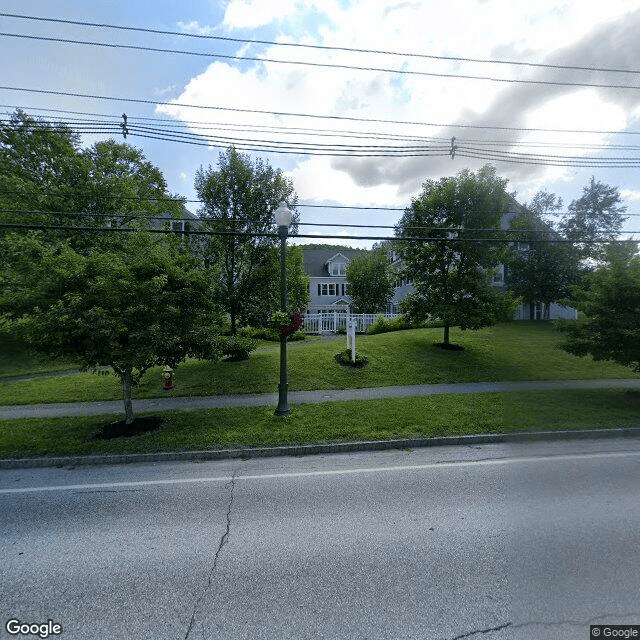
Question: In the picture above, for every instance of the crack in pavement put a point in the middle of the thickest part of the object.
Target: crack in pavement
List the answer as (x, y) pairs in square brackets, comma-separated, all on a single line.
[(577, 623), (223, 540), (534, 623), (472, 633)]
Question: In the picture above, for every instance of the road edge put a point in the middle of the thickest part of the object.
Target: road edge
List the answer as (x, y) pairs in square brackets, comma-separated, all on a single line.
[(314, 449)]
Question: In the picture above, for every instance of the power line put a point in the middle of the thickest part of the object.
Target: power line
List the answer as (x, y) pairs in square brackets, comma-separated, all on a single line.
[(405, 54), (167, 199), (83, 125), (310, 115), (288, 130), (361, 151), (293, 236), (324, 65), (132, 215), (110, 196)]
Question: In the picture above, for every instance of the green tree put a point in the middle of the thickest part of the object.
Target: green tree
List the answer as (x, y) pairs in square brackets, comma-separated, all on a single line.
[(542, 268), (124, 188), (298, 293), (596, 216), (40, 166), (46, 178), (610, 301), (240, 198), (142, 305), (370, 279), (452, 272)]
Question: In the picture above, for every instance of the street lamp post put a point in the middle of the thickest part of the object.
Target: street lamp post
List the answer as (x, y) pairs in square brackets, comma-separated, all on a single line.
[(283, 220)]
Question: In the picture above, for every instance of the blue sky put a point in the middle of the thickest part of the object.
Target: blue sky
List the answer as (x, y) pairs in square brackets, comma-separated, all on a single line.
[(585, 34)]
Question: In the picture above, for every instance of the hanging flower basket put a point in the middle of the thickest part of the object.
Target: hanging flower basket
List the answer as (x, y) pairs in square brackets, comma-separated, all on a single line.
[(286, 323)]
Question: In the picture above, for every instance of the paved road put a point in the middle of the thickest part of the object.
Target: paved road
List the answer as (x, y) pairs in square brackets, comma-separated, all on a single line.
[(302, 397), (500, 541)]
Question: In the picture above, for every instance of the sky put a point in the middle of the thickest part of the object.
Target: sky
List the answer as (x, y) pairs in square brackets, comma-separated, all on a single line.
[(446, 70)]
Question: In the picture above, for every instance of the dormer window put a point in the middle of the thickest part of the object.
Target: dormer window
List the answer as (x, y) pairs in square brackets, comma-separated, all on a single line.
[(337, 265)]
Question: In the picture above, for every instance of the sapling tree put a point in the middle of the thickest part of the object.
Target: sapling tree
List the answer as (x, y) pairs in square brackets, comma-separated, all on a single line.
[(144, 305)]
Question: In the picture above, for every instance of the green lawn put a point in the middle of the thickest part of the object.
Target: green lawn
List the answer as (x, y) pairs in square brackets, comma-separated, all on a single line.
[(15, 359), (513, 351), (332, 422)]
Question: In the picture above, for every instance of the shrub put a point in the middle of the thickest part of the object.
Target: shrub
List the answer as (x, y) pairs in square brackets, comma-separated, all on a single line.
[(249, 332), (344, 358), (272, 335), (381, 325), (235, 348)]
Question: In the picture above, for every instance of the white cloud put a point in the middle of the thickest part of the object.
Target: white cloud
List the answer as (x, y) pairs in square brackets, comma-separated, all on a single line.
[(195, 27), (249, 14), (630, 194), (507, 29)]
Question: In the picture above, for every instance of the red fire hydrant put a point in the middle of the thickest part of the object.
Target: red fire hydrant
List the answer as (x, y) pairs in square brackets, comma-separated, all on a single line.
[(167, 374)]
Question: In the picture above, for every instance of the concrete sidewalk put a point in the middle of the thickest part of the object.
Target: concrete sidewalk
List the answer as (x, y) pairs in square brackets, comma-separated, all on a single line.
[(303, 397)]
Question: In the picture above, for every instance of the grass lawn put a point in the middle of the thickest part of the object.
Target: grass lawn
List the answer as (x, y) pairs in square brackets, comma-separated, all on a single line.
[(512, 351), (332, 422), (15, 359)]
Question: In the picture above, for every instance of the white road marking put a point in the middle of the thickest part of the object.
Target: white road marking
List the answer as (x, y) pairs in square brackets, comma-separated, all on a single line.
[(330, 472)]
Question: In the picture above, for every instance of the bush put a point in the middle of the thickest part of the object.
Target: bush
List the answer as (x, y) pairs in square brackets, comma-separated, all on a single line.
[(344, 358), (381, 325), (267, 333), (235, 348), (250, 332)]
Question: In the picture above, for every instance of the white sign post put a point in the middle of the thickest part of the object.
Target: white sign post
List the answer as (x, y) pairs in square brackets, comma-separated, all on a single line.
[(351, 337)]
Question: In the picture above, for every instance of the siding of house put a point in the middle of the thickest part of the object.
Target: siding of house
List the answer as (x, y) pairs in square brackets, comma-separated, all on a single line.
[(328, 290), (335, 296)]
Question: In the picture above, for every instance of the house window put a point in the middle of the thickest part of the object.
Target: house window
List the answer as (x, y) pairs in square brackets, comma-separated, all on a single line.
[(498, 276), (327, 289), (337, 268)]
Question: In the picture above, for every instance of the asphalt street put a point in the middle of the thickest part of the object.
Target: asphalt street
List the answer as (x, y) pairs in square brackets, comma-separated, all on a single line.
[(519, 541)]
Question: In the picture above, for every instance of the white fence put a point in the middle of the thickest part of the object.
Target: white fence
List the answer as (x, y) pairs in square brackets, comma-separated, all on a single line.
[(333, 322)]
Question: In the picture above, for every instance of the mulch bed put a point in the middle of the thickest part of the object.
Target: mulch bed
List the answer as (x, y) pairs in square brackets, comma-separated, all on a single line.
[(120, 429)]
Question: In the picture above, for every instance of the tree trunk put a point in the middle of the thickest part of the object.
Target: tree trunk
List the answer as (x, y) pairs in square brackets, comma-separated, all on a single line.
[(126, 395), (234, 322), (532, 310), (446, 334)]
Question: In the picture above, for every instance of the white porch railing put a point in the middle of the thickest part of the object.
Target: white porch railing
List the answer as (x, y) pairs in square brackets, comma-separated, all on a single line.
[(333, 322)]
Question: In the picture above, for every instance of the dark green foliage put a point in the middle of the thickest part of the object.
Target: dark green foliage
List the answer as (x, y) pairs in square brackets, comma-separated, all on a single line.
[(45, 178), (39, 164), (241, 195), (596, 215), (610, 301), (270, 334), (140, 306), (452, 274), (235, 347), (384, 325), (298, 293), (344, 358), (541, 268), (370, 279)]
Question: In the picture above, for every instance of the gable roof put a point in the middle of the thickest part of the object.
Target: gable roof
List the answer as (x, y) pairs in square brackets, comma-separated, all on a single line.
[(315, 261), (337, 255)]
